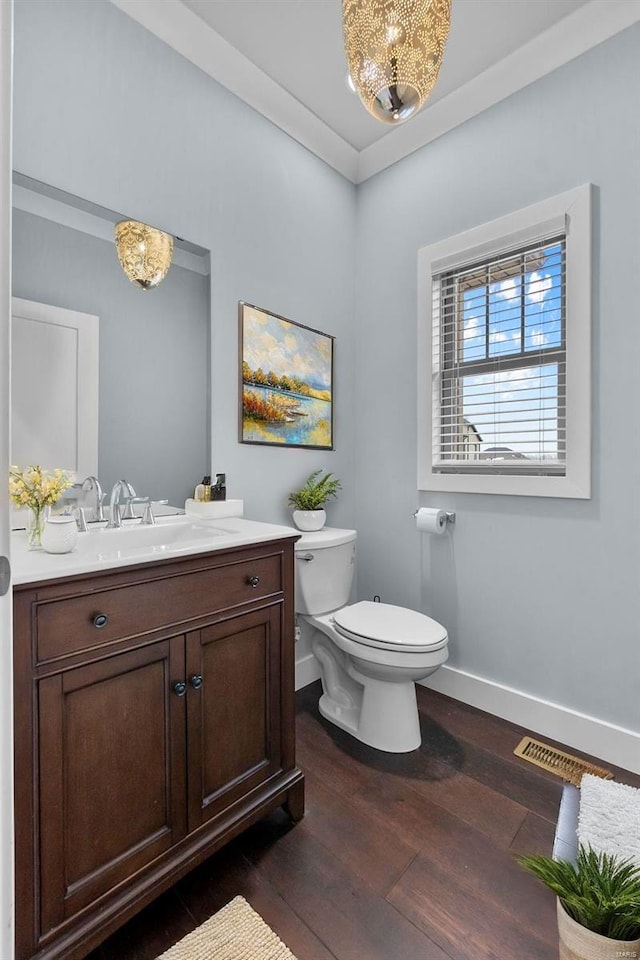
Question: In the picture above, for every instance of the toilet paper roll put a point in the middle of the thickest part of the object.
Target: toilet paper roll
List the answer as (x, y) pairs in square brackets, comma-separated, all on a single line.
[(429, 520)]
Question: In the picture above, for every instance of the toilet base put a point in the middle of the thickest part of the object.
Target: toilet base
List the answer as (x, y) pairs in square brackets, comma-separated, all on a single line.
[(387, 718), (370, 693)]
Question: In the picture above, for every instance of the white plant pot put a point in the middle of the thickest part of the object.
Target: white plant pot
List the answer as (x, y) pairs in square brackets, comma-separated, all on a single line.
[(578, 943), (309, 519), (60, 534)]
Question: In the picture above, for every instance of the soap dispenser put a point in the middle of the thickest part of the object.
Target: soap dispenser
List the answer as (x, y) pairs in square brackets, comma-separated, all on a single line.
[(202, 492)]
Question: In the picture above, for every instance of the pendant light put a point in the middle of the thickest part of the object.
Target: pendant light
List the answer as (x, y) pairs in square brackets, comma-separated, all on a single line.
[(144, 252), (394, 50)]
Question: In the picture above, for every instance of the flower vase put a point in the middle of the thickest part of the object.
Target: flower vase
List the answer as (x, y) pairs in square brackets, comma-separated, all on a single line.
[(35, 525)]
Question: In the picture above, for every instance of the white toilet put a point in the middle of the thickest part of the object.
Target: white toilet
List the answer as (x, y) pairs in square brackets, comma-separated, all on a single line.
[(370, 654)]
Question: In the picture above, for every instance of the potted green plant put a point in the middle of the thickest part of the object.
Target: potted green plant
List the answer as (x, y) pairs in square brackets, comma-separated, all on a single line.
[(598, 904), (310, 499)]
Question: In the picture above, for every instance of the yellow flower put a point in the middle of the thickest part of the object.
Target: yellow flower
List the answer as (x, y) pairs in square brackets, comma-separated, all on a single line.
[(34, 487)]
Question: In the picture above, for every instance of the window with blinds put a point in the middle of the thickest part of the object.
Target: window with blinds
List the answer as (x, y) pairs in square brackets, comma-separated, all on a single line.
[(504, 354), (499, 363)]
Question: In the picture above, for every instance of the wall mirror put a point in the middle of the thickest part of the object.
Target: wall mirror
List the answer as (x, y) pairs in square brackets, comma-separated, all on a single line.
[(150, 407)]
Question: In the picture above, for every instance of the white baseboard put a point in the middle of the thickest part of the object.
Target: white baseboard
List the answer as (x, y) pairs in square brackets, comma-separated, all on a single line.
[(588, 734), (307, 670)]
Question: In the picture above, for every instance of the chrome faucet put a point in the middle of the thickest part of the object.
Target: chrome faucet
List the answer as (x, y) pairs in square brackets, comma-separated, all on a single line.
[(120, 488), (92, 485)]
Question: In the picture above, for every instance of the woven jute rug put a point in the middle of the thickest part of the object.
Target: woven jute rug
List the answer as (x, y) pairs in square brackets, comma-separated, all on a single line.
[(236, 932)]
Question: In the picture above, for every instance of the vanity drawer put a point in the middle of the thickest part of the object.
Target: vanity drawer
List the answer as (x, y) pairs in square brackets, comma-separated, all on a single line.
[(68, 626)]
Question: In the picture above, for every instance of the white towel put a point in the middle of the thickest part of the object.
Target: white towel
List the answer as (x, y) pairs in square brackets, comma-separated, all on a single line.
[(609, 818)]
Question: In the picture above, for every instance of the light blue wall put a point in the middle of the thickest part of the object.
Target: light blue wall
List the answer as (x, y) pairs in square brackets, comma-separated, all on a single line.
[(542, 595), (106, 111)]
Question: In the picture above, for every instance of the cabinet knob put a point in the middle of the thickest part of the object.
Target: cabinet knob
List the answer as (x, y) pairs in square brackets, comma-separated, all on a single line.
[(100, 620), (253, 581), (196, 681), (180, 688)]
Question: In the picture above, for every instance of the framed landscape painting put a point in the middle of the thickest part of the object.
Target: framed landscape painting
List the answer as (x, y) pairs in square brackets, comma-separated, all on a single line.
[(286, 381)]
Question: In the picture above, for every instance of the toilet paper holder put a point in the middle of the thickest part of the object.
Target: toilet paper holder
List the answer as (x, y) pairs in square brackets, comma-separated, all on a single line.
[(450, 517)]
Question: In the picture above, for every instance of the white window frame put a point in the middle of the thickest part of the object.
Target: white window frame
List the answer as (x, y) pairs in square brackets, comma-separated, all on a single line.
[(569, 212)]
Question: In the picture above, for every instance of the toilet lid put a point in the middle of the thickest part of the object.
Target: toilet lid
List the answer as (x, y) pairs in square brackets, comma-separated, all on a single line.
[(385, 625)]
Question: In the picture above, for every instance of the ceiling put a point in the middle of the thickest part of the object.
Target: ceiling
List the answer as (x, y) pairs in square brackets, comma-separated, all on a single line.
[(286, 58), (299, 45)]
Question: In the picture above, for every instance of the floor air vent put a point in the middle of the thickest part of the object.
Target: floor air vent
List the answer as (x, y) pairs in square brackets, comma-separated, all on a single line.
[(556, 761)]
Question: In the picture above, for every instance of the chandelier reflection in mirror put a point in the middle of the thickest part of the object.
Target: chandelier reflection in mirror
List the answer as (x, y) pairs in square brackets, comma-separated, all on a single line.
[(144, 252), (394, 50)]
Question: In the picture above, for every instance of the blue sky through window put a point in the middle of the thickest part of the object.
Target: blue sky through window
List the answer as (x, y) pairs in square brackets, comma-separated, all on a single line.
[(514, 407)]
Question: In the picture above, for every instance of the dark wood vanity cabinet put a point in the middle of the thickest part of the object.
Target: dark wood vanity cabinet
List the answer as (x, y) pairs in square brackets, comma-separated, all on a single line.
[(154, 721)]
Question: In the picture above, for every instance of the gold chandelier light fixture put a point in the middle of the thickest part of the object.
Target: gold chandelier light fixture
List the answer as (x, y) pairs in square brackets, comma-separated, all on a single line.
[(144, 252), (394, 50)]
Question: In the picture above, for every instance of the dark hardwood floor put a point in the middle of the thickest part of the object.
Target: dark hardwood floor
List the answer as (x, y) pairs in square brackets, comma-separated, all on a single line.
[(399, 857)]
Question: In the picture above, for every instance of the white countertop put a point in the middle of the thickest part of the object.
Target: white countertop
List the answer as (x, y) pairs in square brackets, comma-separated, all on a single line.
[(170, 538)]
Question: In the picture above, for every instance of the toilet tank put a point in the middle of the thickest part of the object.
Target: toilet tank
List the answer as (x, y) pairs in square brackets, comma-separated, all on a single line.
[(324, 570)]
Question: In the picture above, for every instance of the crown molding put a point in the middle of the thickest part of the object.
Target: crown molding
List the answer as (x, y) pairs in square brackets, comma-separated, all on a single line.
[(180, 28), (572, 36), (190, 36)]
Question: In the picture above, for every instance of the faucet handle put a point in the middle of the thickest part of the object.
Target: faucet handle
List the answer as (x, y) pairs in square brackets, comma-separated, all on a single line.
[(80, 518), (147, 515)]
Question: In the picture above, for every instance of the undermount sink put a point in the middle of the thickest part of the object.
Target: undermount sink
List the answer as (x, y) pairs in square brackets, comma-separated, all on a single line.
[(128, 541)]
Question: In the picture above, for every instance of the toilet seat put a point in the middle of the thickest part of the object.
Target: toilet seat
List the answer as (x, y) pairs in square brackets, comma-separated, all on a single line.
[(386, 626)]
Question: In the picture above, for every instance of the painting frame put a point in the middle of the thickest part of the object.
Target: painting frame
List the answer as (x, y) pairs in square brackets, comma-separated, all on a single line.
[(254, 358)]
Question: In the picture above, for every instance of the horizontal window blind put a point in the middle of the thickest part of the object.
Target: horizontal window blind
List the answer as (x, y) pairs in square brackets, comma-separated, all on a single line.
[(499, 363)]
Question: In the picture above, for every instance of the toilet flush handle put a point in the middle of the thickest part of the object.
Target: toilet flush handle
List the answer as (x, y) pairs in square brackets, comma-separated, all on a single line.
[(307, 557)]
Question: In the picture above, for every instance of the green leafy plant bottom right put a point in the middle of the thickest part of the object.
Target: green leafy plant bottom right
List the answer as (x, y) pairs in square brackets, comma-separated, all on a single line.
[(601, 893)]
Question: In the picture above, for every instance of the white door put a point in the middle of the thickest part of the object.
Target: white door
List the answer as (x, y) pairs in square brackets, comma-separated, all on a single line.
[(6, 712)]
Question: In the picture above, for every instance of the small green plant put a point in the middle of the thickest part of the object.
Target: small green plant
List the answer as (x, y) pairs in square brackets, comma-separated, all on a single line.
[(316, 491), (601, 893)]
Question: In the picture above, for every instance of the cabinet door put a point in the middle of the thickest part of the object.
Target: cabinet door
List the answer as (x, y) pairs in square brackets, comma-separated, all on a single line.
[(111, 773), (233, 714)]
